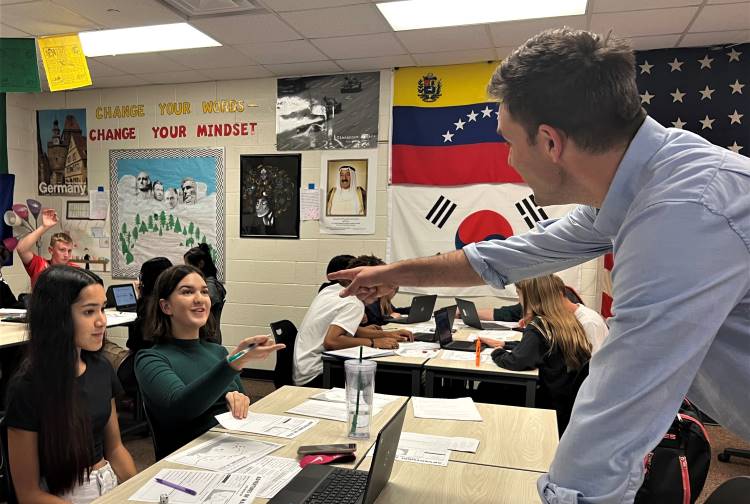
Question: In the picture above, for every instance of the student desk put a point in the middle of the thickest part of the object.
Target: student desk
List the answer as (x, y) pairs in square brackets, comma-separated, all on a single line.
[(395, 364), (457, 483)]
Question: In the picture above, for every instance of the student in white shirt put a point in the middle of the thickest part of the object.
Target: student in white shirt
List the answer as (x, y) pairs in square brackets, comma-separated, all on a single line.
[(593, 325), (332, 323)]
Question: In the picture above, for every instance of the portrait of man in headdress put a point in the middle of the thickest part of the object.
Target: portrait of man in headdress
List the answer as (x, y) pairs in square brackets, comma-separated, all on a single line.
[(345, 195)]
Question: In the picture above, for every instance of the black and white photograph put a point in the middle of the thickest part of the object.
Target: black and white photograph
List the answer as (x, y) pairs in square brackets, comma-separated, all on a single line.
[(269, 196), (327, 112)]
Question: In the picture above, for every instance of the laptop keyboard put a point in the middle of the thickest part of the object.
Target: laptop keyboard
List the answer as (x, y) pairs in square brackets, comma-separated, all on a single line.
[(342, 486)]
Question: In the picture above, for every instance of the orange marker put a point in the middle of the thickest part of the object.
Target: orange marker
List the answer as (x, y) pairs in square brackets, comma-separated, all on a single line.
[(479, 352)]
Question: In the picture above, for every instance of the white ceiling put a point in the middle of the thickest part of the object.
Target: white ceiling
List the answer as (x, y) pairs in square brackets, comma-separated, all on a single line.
[(303, 37)]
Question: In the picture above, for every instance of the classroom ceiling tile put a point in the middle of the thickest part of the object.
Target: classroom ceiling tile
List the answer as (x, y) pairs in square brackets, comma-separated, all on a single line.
[(210, 57), (141, 63), (237, 72), (119, 14), (310, 68), (722, 17), (445, 39), (338, 21), (44, 18), (378, 63), (654, 42), (515, 33), (246, 28), (645, 22), (361, 46), (715, 38), (295, 5), (294, 51), (455, 57), (99, 69), (631, 5)]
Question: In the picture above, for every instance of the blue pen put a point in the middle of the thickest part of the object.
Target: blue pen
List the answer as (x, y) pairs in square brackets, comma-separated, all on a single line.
[(176, 486), (241, 353)]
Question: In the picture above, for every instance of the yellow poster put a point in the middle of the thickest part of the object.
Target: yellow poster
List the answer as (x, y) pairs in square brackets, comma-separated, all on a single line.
[(64, 62)]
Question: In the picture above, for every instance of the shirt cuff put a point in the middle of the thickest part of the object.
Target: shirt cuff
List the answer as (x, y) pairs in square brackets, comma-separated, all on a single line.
[(483, 269), (554, 494)]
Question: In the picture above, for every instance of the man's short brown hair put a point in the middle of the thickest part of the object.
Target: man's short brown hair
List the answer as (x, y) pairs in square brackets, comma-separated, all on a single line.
[(60, 237), (577, 81)]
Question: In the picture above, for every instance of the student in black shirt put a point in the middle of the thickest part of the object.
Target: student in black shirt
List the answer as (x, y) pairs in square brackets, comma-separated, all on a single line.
[(63, 437)]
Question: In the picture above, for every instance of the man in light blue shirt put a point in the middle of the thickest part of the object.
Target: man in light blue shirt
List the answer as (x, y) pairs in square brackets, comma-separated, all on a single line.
[(673, 208)]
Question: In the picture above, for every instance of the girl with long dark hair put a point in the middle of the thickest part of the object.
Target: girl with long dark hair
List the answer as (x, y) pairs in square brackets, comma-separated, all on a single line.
[(63, 435), (200, 257), (185, 379)]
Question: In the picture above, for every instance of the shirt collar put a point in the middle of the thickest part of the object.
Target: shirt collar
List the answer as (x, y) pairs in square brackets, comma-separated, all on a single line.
[(629, 177)]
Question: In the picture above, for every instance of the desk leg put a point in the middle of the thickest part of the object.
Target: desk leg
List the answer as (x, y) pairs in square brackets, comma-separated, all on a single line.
[(530, 393), (326, 375), (429, 386), (416, 382)]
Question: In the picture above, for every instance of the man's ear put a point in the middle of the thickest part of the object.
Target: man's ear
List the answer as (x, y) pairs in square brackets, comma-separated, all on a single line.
[(50, 250), (552, 141), (166, 308)]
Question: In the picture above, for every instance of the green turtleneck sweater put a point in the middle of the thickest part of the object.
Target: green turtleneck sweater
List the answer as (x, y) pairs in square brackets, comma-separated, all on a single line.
[(183, 383)]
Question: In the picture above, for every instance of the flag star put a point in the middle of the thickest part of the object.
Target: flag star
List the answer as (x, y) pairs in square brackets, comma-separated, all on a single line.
[(677, 96), (646, 68), (737, 86), (472, 116), (646, 97), (706, 123), (706, 93), (448, 137), (460, 124), (735, 118), (679, 123), (734, 55), (486, 111), (705, 62), (734, 147), (676, 65)]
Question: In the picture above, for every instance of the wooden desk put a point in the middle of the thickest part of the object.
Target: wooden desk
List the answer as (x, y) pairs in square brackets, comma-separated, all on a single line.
[(457, 483), (12, 334), (509, 436), (395, 364)]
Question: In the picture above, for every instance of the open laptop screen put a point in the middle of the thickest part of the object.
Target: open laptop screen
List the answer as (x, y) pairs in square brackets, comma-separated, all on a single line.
[(443, 326), (124, 295)]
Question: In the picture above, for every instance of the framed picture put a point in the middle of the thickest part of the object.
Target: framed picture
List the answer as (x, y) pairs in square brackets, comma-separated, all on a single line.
[(165, 201), (349, 179), (269, 195), (77, 210)]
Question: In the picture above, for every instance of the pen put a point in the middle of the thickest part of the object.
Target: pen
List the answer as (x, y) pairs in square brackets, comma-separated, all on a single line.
[(479, 352), (241, 353), (176, 486)]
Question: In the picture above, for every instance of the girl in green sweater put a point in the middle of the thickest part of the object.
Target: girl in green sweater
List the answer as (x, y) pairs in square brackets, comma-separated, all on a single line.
[(185, 379)]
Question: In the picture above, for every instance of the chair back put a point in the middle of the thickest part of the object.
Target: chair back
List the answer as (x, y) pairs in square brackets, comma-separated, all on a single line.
[(731, 491), (284, 332), (8, 489), (159, 451)]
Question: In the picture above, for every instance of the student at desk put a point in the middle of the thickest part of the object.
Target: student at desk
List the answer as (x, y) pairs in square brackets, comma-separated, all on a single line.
[(63, 437), (185, 379), (553, 341)]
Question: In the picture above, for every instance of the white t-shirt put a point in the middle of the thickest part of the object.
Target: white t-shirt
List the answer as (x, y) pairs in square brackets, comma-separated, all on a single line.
[(593, 325), (325, 310)]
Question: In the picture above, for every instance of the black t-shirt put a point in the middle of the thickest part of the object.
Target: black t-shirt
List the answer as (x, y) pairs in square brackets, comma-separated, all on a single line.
[(97, 386)]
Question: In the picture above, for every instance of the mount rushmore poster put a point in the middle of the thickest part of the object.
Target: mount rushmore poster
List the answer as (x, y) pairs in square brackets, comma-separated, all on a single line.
[(165, 201)]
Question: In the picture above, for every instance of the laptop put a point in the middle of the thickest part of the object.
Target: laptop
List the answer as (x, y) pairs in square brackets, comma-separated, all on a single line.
[(123, 297), (471, 318), (431, 337), (419, 311), (443, 329), (324, 484)]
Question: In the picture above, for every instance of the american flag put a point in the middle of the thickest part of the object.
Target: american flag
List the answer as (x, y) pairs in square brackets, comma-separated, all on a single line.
[(705, 90)]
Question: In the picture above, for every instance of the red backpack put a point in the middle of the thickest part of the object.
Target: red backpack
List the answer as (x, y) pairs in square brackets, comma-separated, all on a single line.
[(676, 469)]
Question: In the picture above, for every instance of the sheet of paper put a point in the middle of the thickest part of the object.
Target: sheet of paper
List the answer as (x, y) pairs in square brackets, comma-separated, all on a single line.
[(12, 311), (418, 349), (276, 473), (225, 453), (64, 62), (462, 408), (509, 325), (267, 425), (325, 409), (210, 487), (309, 204), (419, 456), (495, 335), (353, 353), (337, 394), (459, 355), (116, 317), (98, 205), (431, 442)]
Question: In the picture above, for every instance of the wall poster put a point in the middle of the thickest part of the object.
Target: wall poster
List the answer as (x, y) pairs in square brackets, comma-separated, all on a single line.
[(63, 158), (349, 181), (269, 195)]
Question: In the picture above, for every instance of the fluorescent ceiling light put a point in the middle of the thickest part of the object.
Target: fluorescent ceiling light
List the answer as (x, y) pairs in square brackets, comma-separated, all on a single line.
[(417, 14), (142, 39)]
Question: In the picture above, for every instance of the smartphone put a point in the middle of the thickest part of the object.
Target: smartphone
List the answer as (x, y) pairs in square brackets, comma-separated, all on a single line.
[(329, 448)]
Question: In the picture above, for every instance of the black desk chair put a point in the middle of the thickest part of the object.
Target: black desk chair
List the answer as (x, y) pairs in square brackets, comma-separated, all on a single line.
[(732, 491), (8, 492), (733, 452), (284, 332)]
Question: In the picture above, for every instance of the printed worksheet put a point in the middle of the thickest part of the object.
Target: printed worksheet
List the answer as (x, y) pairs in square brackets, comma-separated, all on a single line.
[(462, 408), (266, 424), (205, 487), (326, 409), (225, 453)]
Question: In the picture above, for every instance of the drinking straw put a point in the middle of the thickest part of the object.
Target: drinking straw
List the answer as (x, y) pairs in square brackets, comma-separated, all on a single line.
[(359, 387)]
